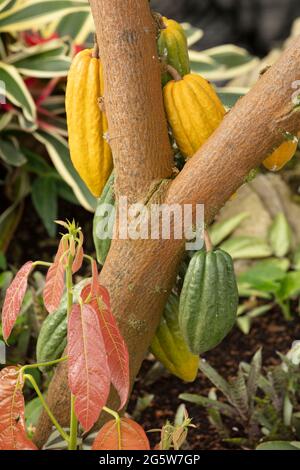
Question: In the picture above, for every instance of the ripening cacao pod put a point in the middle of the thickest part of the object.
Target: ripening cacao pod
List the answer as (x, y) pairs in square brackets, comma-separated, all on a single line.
[(194, 111), (104, 220), (87, 124), (169, 347), (173, 48), (208, 300), (282, 155)]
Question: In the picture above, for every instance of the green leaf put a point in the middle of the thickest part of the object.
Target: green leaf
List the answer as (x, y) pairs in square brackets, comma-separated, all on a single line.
[(239, 394), (6, 118), (296, 259), (271, 269), (278, 445), (3, 262), (290, 286), (223, 408), (75, 25), (253, 376), (45, 60), (7, 4), (246, 248), (9, 220), (38, 164), (280, 236), (244, 322), (222, 63), (44, 198), (215, 378), (10, 154), (16, 91), (221, 230), (230, 95), (265, 275), (246, 291), (65, 192), (59, 153), (192, 33), (29, 14), (33, 410)]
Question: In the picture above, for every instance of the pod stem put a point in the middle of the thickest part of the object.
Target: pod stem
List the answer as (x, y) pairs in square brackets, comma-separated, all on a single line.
[(95, 53), (174, 73), (207, 241)]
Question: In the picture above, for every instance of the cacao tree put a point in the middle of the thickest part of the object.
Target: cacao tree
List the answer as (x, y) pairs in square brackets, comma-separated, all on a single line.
[(139, 274)]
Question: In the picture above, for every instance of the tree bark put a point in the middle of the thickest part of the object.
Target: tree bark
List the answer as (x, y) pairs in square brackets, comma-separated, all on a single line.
[(140, 274)]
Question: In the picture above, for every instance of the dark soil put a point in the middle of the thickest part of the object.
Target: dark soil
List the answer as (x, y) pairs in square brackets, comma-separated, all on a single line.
[(270, 332)]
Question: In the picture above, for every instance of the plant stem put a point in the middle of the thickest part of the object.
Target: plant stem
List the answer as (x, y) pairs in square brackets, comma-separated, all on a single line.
[(43, 364), (73, 419), (63, 434), (173, 72), (41, 263), (207, 241), (73, 426), (118, 423)]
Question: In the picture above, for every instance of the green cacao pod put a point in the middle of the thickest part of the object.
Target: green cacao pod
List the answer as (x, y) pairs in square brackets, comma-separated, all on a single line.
[(169, 347), (52, 338), (173, 48), (104, 220), (208, 300)]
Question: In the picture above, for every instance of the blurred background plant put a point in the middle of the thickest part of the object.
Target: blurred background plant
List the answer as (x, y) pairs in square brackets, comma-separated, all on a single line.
[(260, 405), (34, 62)]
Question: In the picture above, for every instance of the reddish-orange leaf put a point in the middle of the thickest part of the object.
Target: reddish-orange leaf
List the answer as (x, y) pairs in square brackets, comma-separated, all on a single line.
[(14, 298), (88, 371), (78, 260), (132, 436), (55, 279), (12, 423), (116, 349), (54, 287)]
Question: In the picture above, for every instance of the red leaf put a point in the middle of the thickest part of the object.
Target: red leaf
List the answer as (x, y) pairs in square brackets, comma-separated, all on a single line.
[(78, 259), (54, 287), (116, 349), (133, 437), (79, 255), (89, 376), (14, 298), (12, 423), (55, 279)]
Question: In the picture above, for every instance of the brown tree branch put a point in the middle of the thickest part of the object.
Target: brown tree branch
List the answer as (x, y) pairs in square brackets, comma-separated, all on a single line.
[(140, 274), (138, 131)]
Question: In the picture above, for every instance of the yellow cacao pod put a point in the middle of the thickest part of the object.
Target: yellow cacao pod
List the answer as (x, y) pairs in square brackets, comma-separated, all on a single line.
[(169, 346), (87, 124), (281, 156), (193, 110)]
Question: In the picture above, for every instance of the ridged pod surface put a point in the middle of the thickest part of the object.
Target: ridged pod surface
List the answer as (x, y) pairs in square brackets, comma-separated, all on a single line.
[(194, 111), (87, 124), (281, 156), (103, 222), (208, 300), (173, 48), (169, 347)]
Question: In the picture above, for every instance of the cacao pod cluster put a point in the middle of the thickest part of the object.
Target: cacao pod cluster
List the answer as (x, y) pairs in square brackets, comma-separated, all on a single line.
[(193, 108), (206, 310)]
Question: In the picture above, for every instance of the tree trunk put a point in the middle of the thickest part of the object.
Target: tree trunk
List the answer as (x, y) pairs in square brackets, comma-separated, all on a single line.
[(140, 274)]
